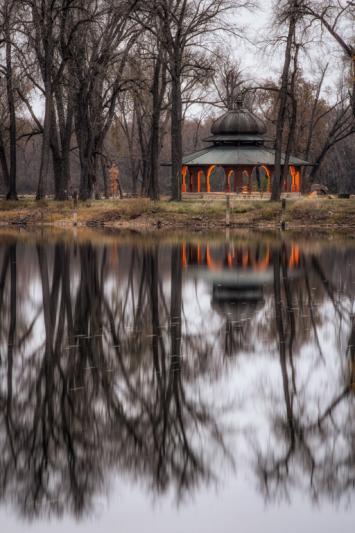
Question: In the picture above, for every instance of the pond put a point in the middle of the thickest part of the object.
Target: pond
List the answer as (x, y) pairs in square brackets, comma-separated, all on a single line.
[(184, 384)]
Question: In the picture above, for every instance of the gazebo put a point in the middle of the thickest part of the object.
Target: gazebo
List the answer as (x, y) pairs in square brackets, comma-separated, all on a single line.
[(237, 146)]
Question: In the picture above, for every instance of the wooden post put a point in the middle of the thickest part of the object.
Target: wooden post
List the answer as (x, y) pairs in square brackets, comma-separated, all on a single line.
[(228, 208)]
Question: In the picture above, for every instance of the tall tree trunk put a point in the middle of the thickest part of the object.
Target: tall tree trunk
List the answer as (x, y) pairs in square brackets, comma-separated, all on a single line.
[(44, 167), (56, 153), (104, 176), (154, 144), (145, 146), (84, 137), (176, 134), (280, 124), (60, 142), (57, 174), (12, 193), (293, 120), (129, 131), (3, 162), (90, 139)]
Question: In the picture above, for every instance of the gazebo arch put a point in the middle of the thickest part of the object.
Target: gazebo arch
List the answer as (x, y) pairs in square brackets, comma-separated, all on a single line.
[(260, 174), (268, 176), (246, 181), (209, 173), (229, 172)]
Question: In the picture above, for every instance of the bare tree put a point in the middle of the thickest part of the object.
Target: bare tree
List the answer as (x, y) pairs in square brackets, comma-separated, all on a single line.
[(99, 53), (340, 126), (337, 17), (185, 26), (49, 33), (287, 13), (7, 21), (146, 103)]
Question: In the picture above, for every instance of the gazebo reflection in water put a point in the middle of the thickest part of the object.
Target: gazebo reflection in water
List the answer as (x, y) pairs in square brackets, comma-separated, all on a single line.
[(233, 257), (238, 276)]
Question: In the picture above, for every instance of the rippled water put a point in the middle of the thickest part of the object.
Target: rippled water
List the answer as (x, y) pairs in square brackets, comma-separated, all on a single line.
[(176, 384)]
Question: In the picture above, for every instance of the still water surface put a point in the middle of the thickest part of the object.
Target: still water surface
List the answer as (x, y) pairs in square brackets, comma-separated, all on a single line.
[(177, 385)]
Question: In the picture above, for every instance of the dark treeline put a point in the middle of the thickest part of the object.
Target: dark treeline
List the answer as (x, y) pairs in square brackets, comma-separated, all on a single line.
[(85, 83)]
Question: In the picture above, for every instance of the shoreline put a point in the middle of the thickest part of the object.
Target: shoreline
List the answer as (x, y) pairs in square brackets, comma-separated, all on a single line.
[(304, 214)]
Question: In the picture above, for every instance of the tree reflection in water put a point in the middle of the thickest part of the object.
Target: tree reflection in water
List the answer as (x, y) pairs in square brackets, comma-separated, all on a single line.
[(312, 437), (94, 379), (107, 367)]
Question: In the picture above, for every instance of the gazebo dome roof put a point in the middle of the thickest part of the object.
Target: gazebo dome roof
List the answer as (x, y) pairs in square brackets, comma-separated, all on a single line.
[(238, 122), (238, 140)]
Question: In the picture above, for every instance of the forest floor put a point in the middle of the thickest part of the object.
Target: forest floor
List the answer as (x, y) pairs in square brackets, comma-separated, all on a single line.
[(141, 214)]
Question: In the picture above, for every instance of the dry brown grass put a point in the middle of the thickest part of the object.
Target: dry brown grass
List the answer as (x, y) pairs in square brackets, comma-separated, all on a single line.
[(140, 213)]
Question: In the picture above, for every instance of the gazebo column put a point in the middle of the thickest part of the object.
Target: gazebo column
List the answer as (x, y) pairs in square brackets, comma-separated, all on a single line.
[(292, 171), (183, 175), (296, 179)]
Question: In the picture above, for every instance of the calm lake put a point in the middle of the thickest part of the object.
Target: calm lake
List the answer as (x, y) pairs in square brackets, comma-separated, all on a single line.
[(185, 384)]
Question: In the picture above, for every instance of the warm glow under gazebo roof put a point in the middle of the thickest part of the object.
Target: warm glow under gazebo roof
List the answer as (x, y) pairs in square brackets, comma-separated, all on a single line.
[(237, 145)]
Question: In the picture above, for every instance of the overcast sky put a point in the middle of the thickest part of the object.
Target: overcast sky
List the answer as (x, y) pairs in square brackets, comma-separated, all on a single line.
[(261, 61)]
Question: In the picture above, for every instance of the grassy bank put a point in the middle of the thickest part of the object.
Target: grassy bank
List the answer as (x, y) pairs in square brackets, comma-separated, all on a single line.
[(140, 214)]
